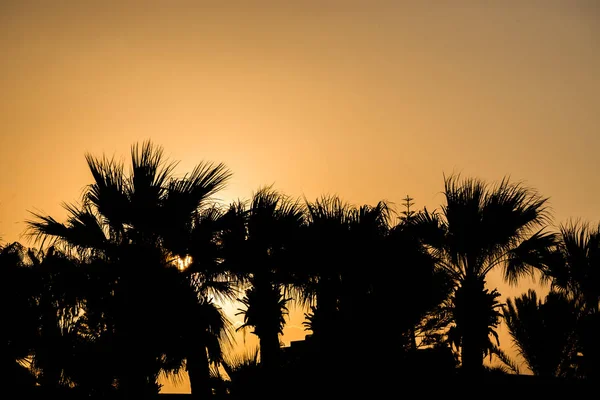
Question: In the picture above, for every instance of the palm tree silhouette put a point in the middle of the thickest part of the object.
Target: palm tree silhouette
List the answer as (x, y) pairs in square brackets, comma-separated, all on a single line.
[(133, 224), (327, 243), (573, 268), (411, 277), (207, 331), (363, 278), (479, 229), (201, 343), (543, 332), (356, 263), (272, 224)]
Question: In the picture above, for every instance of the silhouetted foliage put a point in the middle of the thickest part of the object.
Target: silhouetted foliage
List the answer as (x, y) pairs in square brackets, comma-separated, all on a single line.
[(480, 228), (573, 268), (273, 224), (129, 287), (544, 332), (134, 228)]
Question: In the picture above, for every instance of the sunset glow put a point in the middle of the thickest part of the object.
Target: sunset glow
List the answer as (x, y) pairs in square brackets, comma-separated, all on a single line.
[(369, 100)]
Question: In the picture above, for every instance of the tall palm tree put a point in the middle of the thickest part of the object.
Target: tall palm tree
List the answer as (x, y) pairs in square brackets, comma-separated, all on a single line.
[(543, 331), (272, 224), (133, 223), (479, 229)]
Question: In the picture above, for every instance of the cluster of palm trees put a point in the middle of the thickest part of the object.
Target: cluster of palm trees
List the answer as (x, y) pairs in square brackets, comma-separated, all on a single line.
[(128, 287)]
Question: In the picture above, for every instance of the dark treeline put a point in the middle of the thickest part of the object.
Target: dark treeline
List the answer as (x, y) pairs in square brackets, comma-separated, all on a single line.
[(128, 288)]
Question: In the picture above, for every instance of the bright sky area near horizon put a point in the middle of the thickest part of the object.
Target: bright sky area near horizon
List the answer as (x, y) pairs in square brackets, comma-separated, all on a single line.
[(366, 99)]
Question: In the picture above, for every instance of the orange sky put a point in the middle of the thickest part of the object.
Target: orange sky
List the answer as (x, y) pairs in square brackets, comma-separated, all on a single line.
[(367, 99)]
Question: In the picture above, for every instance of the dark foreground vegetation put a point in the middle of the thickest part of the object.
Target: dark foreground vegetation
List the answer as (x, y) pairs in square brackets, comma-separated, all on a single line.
[(128, 289)]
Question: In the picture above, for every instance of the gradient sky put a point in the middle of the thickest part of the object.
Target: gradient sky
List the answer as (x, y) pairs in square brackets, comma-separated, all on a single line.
[(367, 99)]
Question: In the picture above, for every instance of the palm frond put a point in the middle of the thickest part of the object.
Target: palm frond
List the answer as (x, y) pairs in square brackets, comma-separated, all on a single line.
[(219, 328), (220, 287), (329, 210), (82, 230), (237, 364), (487, 221), (580, 250), (186, 197), (430, 228), (506, 360), (532, 254), (148, 180), (108, 193), (205, 180)]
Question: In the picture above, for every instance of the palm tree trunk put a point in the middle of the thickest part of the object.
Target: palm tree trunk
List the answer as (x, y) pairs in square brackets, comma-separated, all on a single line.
[(471, 355), (327, 308), (472, 328), (269, 350), (199, 373)]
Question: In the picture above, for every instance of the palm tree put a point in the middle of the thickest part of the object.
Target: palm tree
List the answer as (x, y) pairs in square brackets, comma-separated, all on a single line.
[(412, 278), (200, 342), (207, 330), (364, 278), (543, 332), (355, 264), (574, 269), (132, 224), (327, 243), (272, 224), (479, 229)]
